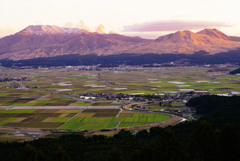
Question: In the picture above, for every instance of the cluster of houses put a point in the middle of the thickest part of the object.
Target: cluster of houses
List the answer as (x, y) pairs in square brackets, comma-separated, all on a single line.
[(14, 79), (230, 94), (87, 97), (174, 97), (89, 68), (101, 96), (166, 98), (189, 110)]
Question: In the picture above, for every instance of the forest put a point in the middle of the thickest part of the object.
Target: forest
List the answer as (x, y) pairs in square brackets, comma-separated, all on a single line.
[(236, 71), (215, 137), (198, 58)]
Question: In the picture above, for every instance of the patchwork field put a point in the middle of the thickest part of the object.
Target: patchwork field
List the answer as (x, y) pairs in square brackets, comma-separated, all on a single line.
[(77, 119), (45, 87), (127, 81), (40, 101), (20, 100)]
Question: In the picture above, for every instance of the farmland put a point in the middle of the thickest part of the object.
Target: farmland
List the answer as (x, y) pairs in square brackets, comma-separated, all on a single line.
[(39, 101), (49, 98), (77, 119), (138, 80)]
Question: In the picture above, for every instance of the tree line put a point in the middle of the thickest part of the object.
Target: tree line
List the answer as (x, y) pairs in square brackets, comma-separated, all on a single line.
[(147, 60)]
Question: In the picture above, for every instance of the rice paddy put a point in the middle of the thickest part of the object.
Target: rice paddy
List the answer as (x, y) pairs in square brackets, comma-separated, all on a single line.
[(69, 119), (44, 90), (42, 101), (139, 80)]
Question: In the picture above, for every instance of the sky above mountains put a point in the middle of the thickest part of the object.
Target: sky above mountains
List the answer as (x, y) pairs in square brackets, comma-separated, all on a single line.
[(148, 19)]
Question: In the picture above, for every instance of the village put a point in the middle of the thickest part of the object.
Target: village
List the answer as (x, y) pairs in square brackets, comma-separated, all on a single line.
[(162, 89), (163, 100)]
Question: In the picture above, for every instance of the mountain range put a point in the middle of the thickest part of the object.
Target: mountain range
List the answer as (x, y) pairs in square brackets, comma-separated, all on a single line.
[(50, 41)]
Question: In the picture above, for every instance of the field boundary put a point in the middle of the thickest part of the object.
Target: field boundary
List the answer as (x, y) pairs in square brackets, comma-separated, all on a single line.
[(48, 107), (174, 120)]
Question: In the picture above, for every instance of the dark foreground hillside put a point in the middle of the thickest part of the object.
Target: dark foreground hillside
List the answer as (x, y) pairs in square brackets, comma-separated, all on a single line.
[(215, 138)]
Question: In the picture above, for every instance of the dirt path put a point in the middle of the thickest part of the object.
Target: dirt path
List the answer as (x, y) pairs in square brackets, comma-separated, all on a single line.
[(119, 112)]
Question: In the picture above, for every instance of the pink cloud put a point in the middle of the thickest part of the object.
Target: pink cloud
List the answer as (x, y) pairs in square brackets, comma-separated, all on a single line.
[(173, 25)]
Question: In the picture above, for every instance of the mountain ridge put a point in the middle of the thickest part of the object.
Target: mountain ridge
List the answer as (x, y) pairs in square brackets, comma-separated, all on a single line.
[(214, 33), (49, 41), (49, 30)]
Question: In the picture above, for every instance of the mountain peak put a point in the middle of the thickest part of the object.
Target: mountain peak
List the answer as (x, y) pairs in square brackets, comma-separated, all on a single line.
[(49, 41), (178, 37), (214, 33), (191, 37), (49, 30)]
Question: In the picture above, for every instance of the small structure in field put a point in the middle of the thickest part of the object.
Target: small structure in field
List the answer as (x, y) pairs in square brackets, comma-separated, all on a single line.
[(141, 108)]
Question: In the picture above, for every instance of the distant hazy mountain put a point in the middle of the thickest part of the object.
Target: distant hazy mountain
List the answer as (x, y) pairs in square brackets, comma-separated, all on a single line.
[(49, 41)]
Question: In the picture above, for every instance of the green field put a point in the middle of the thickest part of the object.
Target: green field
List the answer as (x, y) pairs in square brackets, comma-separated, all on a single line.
[(177, 104), (145, 80), (43, 85), (91, 119)]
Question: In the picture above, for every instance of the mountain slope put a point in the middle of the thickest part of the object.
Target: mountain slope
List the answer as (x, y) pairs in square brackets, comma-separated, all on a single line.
[(234, 38), (210, 40), (181, 37), (34, 37), (214, 33), (49, 41)]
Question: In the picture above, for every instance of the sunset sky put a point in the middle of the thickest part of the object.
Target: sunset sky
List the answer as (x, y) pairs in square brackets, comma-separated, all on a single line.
[(145, 18)]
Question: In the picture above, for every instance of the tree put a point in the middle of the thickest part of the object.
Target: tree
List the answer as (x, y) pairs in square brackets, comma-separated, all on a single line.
[(230, 143), (41, 156), (203, 144), (135, 156), (123, 134), (161, 103), (146, 153), (156, 131), (29, 153), (115, 154), (142, 134), (169, 147), (60, 155)]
